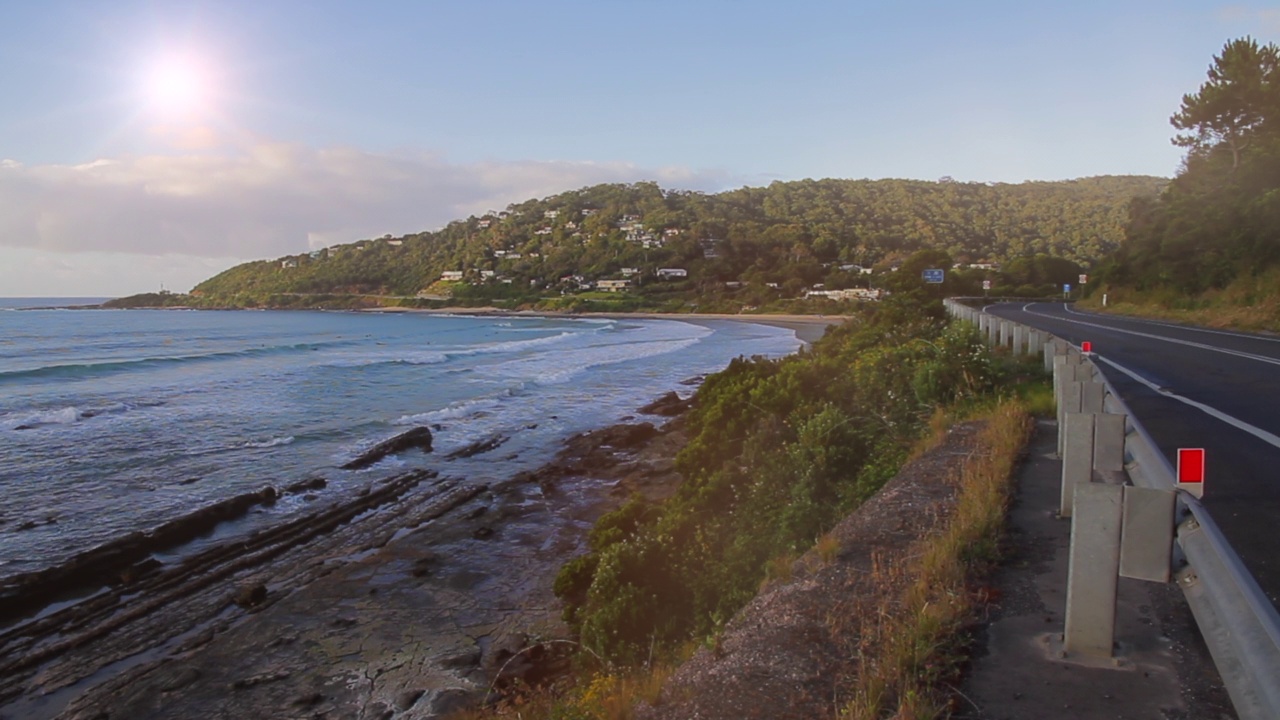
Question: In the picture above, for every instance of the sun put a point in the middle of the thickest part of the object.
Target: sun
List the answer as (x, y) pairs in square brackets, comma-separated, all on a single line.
[(177, 86)]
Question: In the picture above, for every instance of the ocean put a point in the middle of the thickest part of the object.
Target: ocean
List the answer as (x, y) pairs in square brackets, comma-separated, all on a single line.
[(113, 421)]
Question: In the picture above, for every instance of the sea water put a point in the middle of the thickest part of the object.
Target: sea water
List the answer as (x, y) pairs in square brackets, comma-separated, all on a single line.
[(118, 420)]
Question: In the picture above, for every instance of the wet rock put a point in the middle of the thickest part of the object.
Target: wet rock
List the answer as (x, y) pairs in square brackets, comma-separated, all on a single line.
[(668, 405), (264, 678), (28, 525), (309, 700), (189, 481), (476, 512), (140, 570), (422, 567), (344, 622), (451, 700), (419, 437), (626, 437), (408, 699), (315, 483), (482, 533), (250, 596), (377, 711), (464, 659), (475, 448), (180, 679)]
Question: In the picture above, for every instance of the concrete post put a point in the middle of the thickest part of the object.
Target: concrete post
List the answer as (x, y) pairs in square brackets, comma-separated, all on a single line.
[(1004, 333), (1093, 570), (1077, 457), (1091, 393), (993, 331), (1069, 403), (1108, 447), (1146, 540), (1035, 344), (1019, 339)]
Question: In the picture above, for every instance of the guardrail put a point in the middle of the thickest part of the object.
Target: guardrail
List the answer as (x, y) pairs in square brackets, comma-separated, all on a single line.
[(1240, 625)]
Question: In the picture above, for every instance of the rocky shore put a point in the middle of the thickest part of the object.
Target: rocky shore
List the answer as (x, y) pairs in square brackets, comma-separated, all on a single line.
[(402, 600)]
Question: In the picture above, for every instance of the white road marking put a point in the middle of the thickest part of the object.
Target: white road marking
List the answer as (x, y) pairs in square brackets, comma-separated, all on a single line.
[(1188, 343), (1237, 423), (1174, 326)]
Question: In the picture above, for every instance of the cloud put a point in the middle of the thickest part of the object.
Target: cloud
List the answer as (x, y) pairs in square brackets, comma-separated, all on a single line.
[(275, 199)]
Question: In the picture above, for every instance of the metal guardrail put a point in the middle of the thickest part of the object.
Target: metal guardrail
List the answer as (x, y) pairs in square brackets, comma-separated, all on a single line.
[(1240, 625)]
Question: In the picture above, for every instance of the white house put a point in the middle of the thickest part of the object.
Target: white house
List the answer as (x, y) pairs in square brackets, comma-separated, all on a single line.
[(613, 285), (451, 275), (667, 273), (628, 272), (289, 263)]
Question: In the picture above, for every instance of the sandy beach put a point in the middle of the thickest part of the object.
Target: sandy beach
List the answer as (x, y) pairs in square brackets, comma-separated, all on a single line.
[(808, 328)]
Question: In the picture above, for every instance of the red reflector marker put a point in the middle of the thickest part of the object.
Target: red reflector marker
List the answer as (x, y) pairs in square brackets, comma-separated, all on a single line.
[(1191, 465), (1086, 347)]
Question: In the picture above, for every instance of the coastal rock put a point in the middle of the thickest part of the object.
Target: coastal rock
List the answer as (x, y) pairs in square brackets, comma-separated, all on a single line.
[(446, 702), (477, 447), (668, 405), (315, 483), (250, 595), (408, 699), (419, 437)]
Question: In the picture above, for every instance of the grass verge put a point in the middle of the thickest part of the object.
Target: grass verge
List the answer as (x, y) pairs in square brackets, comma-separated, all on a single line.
[(913, 645)]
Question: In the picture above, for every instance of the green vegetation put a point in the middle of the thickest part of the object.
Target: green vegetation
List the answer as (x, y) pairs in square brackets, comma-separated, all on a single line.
[(1211, 241), (779, 450), (758, 248)]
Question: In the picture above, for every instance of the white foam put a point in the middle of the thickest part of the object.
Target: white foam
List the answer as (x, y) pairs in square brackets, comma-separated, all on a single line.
[(273, 442), (62, 416), (454, 411)]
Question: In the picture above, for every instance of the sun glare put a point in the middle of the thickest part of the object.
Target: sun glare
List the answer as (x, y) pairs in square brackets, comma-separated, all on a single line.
[(177, 87)]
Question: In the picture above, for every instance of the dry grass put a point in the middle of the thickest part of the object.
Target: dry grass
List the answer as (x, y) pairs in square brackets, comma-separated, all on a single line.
[(910, 647), (1248, 303)]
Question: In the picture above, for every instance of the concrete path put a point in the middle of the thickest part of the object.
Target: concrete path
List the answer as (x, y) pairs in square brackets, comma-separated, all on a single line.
[(1161, 669)]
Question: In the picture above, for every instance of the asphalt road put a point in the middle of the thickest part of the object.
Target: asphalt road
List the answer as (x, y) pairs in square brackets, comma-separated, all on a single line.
[(1196, 387)]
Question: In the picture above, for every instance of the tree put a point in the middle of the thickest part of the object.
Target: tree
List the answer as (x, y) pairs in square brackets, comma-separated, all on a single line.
[(1241, 92)]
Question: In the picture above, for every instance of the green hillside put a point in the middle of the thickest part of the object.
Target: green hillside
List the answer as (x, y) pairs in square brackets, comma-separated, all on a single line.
[(1211, 241), (745, 247)]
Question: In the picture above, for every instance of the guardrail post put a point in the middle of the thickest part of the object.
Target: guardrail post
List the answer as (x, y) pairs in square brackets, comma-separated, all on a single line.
[(1069, 401), (1019, 339), (1108, 447), (993, 331), (1091, 393), (1093, 569), (1146, 538), (1077, 457), (1035, 345)]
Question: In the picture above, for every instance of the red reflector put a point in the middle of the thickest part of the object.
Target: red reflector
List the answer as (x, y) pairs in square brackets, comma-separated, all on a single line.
[(1190, 465), (1086, 347)]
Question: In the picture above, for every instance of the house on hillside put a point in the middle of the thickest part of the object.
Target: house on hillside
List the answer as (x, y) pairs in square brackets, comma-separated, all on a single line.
[(551, 214), (669, 273), (629, 271), (451, 275), (395, 243), (613, 285), (289, 263)]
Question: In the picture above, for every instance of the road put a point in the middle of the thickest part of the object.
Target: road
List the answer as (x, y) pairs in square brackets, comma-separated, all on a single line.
[(1196, 387)]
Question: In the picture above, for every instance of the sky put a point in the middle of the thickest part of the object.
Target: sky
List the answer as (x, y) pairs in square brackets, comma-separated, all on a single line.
[(154, 144)]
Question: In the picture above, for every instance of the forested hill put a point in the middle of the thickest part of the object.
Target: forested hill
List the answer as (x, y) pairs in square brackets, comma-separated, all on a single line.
[(787, 237), (1218, 223)]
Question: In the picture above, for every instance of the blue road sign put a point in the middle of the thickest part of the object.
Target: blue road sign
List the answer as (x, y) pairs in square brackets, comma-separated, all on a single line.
[(1066, 287), (933, 275)]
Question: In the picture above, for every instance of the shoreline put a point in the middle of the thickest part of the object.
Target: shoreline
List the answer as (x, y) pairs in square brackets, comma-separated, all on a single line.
[(430, 590), (808, 328)]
